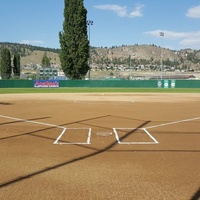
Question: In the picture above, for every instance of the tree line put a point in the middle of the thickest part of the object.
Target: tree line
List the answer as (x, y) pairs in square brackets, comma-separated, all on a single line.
[(74, 43), (23, 49), (9, 66)]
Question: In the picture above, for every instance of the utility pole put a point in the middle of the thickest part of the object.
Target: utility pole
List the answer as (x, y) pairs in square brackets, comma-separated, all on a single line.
[(130, 67), (89, 23), (162, 35)]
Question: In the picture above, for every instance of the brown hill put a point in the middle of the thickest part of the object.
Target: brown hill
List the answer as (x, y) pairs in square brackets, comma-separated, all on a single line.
[(35, 57), (148, 54)]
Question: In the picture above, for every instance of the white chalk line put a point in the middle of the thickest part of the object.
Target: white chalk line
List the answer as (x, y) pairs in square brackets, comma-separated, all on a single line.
[(114, 129), (89, 136), (174, 122), (71, 143), (33, 122), (103, 101), (137, 143), (60, 136), (65, 130), (119, 142), (147, 132), (89, 132), (52, 125)]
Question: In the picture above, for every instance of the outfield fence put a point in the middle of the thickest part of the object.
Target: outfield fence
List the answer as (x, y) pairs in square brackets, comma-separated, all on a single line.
[(101, 83)]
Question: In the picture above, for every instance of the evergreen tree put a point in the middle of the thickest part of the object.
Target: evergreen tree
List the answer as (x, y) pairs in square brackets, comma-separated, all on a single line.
[(5, 64), (16, 64), (46, 61), (74, 42)]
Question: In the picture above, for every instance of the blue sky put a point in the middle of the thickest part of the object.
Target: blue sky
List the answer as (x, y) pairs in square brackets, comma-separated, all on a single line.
[(116, 22)]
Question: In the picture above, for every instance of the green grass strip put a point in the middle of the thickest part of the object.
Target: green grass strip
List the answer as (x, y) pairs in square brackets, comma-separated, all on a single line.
[(97, 90)]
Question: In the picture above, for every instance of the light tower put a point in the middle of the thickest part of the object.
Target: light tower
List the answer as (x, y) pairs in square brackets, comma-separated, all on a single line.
[(89, 23), (162, 35)]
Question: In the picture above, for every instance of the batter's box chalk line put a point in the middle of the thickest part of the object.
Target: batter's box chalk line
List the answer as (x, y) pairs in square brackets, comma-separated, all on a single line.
[(89, 130), (104, 134), (154, 141)]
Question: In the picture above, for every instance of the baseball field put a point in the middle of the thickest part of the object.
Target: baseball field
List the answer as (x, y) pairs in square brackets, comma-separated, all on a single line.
[(99, 145)]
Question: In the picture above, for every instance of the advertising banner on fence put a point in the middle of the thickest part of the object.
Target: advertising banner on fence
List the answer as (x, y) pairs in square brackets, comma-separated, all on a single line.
[(166, 84), (46, 84), (159, 83), (173, 83)]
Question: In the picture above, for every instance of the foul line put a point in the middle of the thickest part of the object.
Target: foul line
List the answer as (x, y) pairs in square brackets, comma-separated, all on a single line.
[(175, 122), (114, 129), (34, 122), (52, 125)]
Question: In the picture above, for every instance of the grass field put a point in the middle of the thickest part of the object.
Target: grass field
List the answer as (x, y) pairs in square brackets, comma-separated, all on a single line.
[(93, 90)]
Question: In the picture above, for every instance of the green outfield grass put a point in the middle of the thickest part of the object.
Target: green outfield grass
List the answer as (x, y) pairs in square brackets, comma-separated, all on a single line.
[(97, 90)]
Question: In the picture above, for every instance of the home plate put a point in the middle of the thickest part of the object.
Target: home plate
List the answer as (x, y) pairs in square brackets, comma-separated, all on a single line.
[(104, 134)]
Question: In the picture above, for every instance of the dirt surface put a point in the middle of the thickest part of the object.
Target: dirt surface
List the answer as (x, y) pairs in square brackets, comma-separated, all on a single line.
[(100, 146), (125, 97)]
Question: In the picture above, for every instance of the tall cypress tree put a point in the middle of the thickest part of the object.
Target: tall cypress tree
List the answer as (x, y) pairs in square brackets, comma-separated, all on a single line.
[(16, 64), (45, 61), (5, 64), (74, 42)]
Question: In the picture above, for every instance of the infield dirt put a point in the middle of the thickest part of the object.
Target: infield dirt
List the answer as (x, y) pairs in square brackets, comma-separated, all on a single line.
[(33, 167)]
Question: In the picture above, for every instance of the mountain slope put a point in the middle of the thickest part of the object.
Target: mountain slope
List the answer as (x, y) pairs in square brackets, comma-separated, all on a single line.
[(148, 54)]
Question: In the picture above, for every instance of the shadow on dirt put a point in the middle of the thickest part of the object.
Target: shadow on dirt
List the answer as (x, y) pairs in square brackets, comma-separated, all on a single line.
[(6, 104), (196, 195), (20, 121), (71, 161), (44, 129)]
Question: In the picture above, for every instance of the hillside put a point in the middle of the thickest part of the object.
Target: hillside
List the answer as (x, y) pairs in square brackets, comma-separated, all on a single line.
[(35, 57), (31, 54), (137, 52), (115, 56)]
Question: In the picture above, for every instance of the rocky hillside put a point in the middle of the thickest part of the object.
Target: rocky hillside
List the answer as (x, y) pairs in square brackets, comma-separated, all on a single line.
[(147, 55), (136, 52), (122, 55), (32, 54)]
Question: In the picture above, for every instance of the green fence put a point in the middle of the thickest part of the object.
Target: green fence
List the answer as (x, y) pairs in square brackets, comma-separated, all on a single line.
[(16, 84), (108, 83), (187, 84)]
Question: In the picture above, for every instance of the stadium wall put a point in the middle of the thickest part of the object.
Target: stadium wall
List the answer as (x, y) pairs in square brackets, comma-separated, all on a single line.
[(106, 83)]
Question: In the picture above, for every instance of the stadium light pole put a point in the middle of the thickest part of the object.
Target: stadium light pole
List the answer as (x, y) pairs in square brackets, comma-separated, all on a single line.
[(130, 67), (89, 23), (162, 35)]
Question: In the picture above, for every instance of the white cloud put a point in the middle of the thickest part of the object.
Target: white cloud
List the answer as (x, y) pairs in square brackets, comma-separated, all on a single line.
[(122, 11), (185, 39), (167, 34), (137, 12), (193, 12), (191, 42), (32, 42)]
